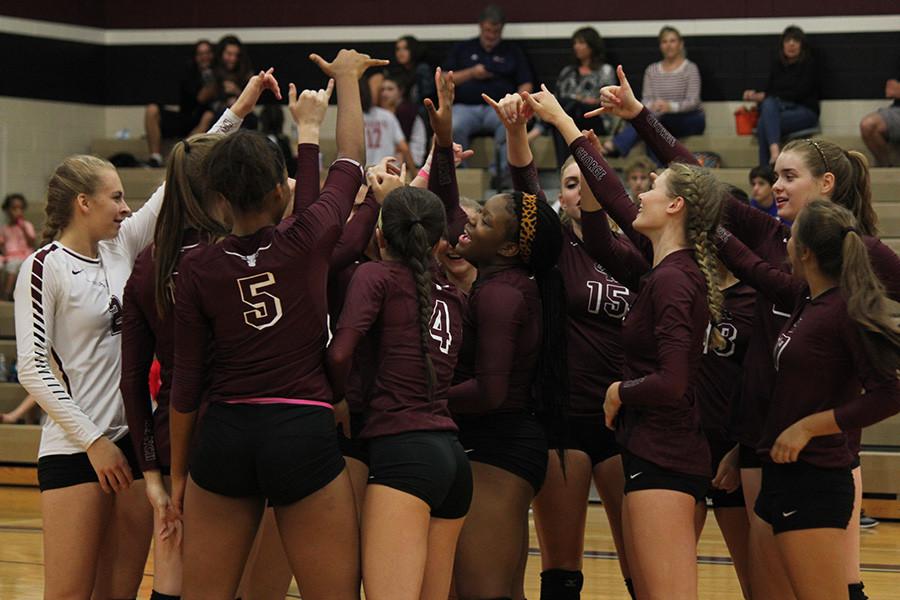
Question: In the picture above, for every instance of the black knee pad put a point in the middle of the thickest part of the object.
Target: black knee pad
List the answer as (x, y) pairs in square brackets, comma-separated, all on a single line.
[(559, 584), (629, 585), (154, 595), (856, 591)]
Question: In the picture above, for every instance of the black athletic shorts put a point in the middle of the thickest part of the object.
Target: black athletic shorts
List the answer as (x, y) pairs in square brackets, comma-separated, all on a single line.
[(283, 452), (719, 446), (749, 459), (642, 474), (65, 470), (799, 495), (588, 434), (430, 465), (354, 447), (174, 124), (514, 442)]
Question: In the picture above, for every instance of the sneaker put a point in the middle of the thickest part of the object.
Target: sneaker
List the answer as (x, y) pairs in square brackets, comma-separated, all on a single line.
[(867, 522), (155, 161)]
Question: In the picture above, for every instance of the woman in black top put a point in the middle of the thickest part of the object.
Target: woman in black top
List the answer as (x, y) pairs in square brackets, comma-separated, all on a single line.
[(790, 101)]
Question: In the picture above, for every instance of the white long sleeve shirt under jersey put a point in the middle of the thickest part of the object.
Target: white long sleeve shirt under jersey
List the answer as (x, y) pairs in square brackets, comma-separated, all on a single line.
[(68, 320)]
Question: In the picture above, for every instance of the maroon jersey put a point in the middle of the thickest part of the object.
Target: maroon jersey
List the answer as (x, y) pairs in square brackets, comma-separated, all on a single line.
[(501, 344), (596, 304), (767, 238), (442, 181), (663, 336), (382, 297), (719, 381), (262, 299)]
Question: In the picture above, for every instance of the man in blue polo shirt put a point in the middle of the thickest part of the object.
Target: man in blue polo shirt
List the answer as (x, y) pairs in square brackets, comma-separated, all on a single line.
[(486, 65)]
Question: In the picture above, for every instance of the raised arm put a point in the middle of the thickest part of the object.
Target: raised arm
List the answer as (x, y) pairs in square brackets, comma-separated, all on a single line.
[(514, 113), (308, 111), (781, 288), (442, 175), (137, 231), (357, 233)]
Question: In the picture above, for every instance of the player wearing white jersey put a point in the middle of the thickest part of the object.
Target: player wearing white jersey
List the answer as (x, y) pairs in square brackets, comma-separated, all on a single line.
[(68, 304)]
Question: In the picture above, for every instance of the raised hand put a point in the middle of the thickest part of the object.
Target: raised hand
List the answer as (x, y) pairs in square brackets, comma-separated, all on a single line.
[(441, 117), (383, 182), (262, 81), (310, 106), (512, 109), (618, 100), (546, 106), (460, 155), (347, 63)]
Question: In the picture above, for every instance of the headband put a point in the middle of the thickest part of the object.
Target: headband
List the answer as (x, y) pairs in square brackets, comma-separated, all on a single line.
[(527, 225), (821, 154)]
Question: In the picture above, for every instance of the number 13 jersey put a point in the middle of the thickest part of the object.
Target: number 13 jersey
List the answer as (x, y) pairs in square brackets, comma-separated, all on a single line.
[(261, 300)]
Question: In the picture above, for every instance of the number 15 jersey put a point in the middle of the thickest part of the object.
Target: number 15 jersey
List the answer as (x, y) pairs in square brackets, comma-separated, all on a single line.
[(261, 300)]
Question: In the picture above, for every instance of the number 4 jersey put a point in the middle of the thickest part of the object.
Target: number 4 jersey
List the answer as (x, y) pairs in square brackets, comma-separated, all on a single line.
[(382, 298)]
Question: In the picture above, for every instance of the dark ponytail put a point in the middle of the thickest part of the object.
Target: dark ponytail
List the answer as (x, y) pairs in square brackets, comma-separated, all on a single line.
[(831, 233), (540, 239), (184, 207), (412, 222)]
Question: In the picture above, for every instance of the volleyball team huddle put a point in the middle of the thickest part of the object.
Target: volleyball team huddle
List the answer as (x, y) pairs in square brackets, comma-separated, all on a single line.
[(397, 376)]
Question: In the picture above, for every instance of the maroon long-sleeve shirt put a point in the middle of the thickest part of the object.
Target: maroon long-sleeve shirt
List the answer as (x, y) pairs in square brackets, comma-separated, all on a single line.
[(145, 334), (262, 299), (501, 344), (442, 181), (767, 238), (382, 296), (819, 337), (596, 304)]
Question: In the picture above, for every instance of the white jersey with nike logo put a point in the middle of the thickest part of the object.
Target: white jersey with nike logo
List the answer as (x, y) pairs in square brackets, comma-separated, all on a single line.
[(68, 319)]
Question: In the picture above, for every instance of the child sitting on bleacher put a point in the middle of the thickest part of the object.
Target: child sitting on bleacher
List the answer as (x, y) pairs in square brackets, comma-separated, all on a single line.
[(637, 176), (17, 240)]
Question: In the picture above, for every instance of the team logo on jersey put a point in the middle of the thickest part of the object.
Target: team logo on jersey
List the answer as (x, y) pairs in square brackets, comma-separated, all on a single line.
[(250, 259), (115, 311)]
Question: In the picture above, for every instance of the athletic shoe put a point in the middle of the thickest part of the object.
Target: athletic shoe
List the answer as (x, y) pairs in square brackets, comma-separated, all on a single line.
[(867, 522)]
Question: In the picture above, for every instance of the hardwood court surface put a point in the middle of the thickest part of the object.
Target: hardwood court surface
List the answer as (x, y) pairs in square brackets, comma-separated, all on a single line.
[(21, 559)]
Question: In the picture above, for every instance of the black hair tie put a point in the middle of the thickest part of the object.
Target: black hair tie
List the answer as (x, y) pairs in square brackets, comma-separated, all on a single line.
[(847, 230), (187, 146)]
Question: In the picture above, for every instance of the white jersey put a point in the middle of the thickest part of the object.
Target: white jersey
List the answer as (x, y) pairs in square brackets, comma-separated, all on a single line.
[(383, 133), (68, 323)]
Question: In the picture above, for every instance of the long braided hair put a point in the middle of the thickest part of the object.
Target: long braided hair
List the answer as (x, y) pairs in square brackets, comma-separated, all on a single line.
[(538, 233), (704, 198), (412, 223)]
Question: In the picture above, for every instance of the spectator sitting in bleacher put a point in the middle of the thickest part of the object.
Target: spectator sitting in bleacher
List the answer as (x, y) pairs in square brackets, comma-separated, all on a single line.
[(671, 91), (578, 85), (881, 129), (25, 413), (790, 101), (409, 65), (196, 92), (637, 176), (762, 178), (232, 70), (384, 136), (392, 97), (17, 240), (486, 65)]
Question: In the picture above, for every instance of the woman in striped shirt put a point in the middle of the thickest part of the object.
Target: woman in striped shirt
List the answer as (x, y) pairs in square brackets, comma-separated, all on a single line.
[(671, 91)]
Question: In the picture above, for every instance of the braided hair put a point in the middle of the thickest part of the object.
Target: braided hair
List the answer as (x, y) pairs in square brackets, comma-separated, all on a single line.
[(704, 198), (412, 222), (538, 233)]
